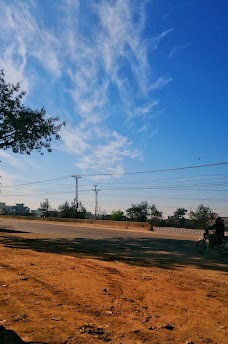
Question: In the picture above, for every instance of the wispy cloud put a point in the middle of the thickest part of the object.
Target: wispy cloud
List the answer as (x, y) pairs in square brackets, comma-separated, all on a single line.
[(20, 162), (9, 159), (25, 38), (153, 132), (155, 41), (144, 110), (100, 63), (99, 155), (99, 56), (142, 129), (160, 83), (76, 141), (6, 179), (176, 50)]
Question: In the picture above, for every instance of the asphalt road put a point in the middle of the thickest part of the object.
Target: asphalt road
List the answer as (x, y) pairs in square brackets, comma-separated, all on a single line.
[(165, 247), (68, 230)]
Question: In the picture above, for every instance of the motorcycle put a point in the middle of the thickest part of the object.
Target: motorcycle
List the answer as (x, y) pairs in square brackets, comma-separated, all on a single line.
[(204, 243)]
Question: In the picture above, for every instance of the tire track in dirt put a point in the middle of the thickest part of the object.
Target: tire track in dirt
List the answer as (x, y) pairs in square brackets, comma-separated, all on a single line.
[(44, 292), (125, 304)]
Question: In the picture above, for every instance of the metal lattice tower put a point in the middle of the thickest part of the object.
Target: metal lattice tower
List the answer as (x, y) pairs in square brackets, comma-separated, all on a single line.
[(76, 192), (96, 199)]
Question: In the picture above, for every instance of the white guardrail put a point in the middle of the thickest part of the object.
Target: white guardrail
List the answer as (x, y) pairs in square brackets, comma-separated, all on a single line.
[(182, 230)]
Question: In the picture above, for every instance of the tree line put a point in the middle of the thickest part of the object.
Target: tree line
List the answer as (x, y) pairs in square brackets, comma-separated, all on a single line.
[(65, 210), (142, 212)]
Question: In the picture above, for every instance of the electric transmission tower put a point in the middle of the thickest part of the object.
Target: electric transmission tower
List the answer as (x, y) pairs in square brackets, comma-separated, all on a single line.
[(76, 192), (96, 199)]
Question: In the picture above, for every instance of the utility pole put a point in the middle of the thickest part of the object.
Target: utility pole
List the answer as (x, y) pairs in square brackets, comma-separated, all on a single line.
[(76, 191), (96, 199)]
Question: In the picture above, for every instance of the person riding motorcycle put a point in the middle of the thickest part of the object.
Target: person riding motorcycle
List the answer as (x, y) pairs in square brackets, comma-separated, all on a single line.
[(217, 237)]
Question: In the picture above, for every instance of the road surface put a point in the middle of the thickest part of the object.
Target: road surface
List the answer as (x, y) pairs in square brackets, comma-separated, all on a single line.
[(70, 230), (163, 247)]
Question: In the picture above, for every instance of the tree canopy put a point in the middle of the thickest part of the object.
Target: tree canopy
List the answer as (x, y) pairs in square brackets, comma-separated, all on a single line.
[(154, 212), (118, 215), (179, 216), (202, 216), (23, 129), (45, 205), (67, 210), (179, 213), (138, 212)]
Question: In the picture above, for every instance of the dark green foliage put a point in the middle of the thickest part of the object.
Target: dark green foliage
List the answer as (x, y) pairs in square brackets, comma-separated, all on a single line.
[(68, 211), (179, 213), (118, 215), (45, 205), (23, 129), (202, 216), (154, 212), (138, 212), (179, 216)]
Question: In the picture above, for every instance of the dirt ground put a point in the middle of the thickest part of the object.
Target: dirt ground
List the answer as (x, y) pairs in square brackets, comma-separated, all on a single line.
[(61, 299)]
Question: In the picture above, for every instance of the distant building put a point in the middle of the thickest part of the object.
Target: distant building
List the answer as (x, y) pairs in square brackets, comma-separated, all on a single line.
[(18, 209), (2, 208), (21, 209), (39, 212)]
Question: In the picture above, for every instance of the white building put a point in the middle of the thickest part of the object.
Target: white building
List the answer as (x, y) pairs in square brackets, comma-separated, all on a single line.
[(18, 209)]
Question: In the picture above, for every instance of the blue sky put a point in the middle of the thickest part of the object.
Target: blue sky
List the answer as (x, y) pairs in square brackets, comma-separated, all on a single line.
[(142, 86)]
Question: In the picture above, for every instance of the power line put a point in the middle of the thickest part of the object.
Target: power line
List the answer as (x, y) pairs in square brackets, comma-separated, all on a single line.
[(181, 198), (166, 180), (38, 182), (154, 171), (198, 176), (164, 186), (126, 173), (168, 188), (128, 196)]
